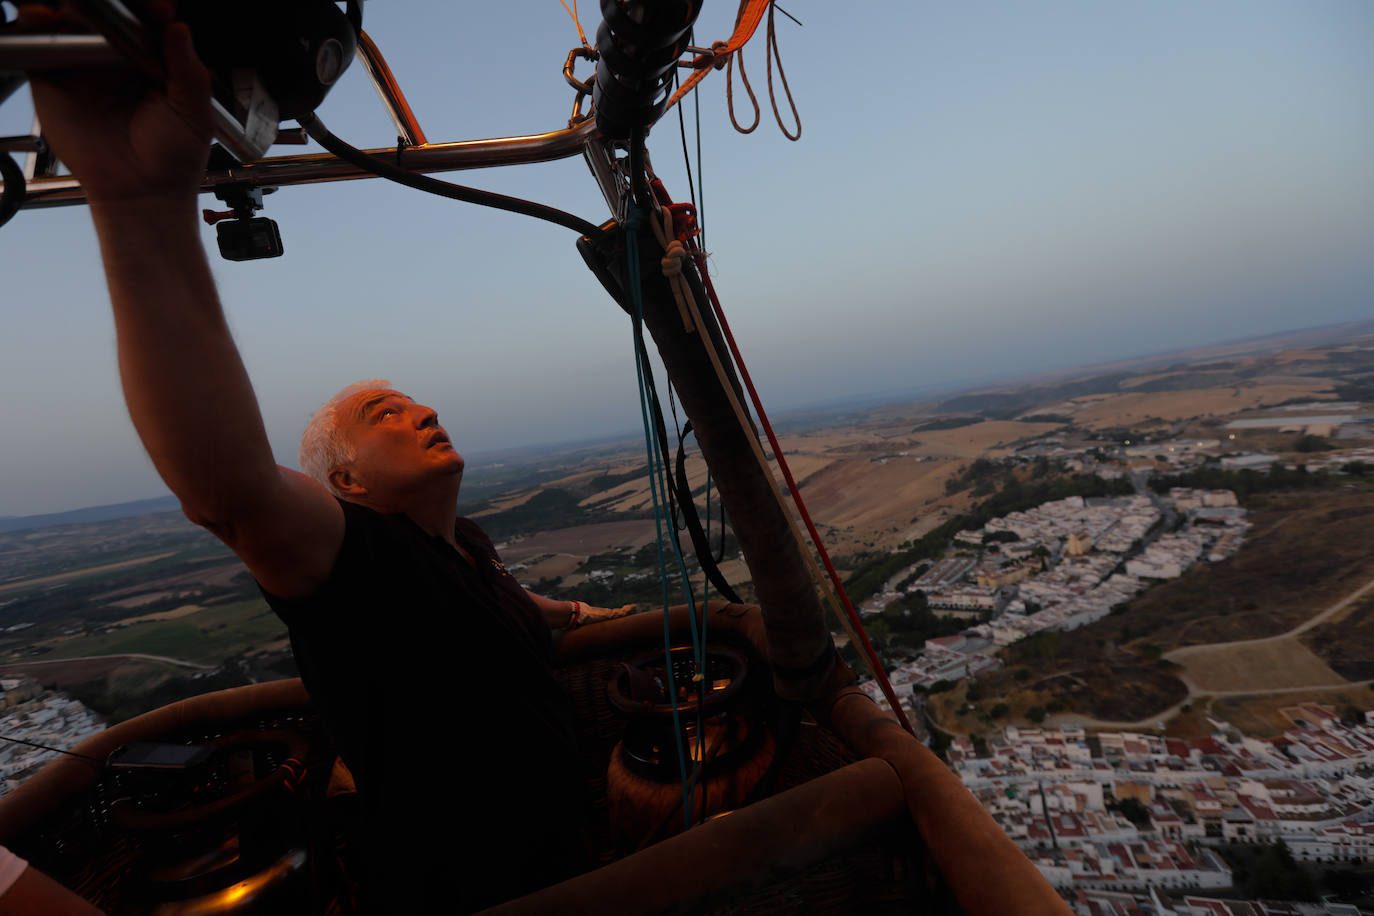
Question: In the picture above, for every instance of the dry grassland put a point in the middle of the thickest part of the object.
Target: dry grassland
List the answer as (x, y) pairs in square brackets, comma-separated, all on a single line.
[(184, 611), (581, 541), (1346, 639), (555, 567), (1190, 724), (847, 441), (1300, 356), (1139, 380), (1268, 665), (872, 498), (1279, 380), (844, 490), (989, 438), (634, 495), (626, 497), (77, 573), (1261, 716), (1135, 408), (511, 501), (802, 464), (276, 645)]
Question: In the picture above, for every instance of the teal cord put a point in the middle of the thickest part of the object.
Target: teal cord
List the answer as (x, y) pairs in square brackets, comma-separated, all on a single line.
[(632, 224), (659, 495), (705, 579)]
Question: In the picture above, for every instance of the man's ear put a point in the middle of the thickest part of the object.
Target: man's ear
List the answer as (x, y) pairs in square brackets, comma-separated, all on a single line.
[(346, 484)]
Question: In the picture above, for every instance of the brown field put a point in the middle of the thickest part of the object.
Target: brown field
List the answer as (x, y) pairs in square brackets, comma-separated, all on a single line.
[(1299, 356), (1147, 378), (1136, 408), (962, 442), (76, 573), (634, 495), (626, 496), (802, 464), (183, 611), (581, 541), (980, 439), (276, 645), (555, 567), (216, 572), (867, 504), (1269, 665), (502, 503), (1261, 716), (1346, 639), (854, 493), (1190, 724), (861, 503), (141, 599)]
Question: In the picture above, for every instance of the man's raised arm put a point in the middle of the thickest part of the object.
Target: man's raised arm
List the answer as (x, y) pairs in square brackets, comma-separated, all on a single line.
[(139, 152)]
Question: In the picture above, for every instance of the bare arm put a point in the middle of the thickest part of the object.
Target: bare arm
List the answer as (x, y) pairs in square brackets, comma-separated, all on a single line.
[(191, 401), (565, 615), (34, 892), (139, 152)]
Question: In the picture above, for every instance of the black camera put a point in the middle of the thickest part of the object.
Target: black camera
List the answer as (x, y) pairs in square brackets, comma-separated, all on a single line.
[(248, 239)]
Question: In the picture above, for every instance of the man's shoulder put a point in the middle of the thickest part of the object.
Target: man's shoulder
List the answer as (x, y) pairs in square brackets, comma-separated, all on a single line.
[(372, 541), (471, 529)]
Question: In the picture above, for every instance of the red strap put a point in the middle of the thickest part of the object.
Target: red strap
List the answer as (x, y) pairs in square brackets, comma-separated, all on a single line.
[(700, 256)]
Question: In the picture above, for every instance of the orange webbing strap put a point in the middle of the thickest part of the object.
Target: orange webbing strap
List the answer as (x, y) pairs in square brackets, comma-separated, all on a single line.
[(746, 24)]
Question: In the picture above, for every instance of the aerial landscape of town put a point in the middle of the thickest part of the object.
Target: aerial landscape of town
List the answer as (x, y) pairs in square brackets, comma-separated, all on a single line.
[(1128, 605)]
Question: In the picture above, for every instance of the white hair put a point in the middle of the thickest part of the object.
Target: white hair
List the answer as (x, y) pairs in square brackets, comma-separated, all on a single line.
[(324, 446)]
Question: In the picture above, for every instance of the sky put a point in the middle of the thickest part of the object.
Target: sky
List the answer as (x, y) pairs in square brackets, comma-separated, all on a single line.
[(981, 190)]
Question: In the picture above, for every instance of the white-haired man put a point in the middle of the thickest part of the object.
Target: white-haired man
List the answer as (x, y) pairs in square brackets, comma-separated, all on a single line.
[(429, 663), (360, 446)]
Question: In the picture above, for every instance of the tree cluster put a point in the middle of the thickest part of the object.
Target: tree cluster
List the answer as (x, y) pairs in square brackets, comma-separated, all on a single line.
[(1243, 482), (1278, 876)]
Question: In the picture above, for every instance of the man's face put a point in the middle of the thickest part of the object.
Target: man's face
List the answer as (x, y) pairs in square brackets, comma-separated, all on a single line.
[(398, 443)]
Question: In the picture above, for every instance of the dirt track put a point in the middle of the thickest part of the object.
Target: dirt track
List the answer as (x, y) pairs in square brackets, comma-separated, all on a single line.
[(1263, 665), (73, 670), (1246, 667)]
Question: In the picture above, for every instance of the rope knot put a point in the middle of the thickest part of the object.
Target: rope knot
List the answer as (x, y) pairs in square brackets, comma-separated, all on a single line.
[(721, 52), (672, 259)]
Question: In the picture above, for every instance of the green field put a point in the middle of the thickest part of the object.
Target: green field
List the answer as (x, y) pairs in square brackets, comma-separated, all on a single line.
[(207, 637)]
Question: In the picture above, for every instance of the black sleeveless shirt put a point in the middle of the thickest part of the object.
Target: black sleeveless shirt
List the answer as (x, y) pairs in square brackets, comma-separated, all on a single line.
[(433, 677)]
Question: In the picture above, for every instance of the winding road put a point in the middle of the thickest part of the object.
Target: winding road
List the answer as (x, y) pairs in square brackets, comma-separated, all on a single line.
[(89, 658), (1182, 656)]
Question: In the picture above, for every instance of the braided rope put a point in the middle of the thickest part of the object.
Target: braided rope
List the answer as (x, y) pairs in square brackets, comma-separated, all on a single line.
[(770, 52)]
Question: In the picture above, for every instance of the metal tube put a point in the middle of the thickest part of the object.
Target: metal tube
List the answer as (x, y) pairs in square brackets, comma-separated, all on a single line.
[(407, 127), (37, 53), (125, 31), (614, 190), (313, 168), (22, 143)]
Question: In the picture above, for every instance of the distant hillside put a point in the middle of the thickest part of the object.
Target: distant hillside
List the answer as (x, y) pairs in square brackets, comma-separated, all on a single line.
[(1248, 359), (90, 514)]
